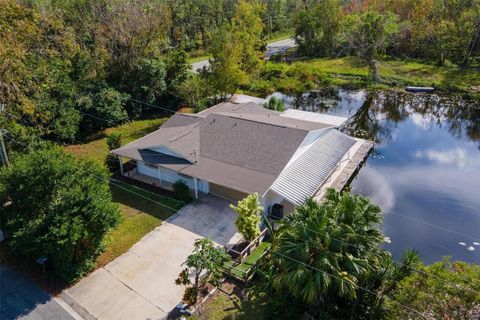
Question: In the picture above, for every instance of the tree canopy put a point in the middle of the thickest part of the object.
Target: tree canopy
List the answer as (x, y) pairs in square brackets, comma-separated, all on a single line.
[(57, 207), (444, 290), (204, 258), (237, 49), (311, 236)]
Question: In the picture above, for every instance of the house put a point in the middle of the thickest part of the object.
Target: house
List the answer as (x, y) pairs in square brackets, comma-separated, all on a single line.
[(233, 149)]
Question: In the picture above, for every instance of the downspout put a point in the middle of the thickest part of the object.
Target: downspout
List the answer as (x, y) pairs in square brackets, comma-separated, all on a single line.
[(196, 187), (120, 159)]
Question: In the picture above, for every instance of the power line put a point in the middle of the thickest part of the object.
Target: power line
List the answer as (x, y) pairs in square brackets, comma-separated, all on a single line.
[(98, 118), (394, 261), (27, 122), (110, 181), (393, 213), (154, 106), (3, 151), (353, 283), (287, 257), (435, 226)]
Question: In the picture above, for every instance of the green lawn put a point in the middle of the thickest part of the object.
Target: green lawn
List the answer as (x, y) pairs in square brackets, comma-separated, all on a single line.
[(301, 75), (251, 260), (96, 147), (142, 211), (199, 58), (234, 306)]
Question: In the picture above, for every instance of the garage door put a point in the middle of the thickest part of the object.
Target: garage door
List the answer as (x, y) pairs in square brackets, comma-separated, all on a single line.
[(229, 194)]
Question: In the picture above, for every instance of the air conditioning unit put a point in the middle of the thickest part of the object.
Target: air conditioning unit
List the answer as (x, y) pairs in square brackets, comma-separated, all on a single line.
[(276, 212)]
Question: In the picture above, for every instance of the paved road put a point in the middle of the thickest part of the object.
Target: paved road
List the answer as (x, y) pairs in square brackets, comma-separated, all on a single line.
[(140, 284), (279, 47), (20, 298), (272, 48)]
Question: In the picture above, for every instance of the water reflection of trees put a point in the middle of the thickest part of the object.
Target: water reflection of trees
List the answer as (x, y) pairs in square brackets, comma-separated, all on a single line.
[(381, 111), (323, 100)]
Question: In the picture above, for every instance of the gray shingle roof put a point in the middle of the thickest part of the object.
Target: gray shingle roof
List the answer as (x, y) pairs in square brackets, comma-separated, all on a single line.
[(239, 108), (309, 171), (249, 144), (181, 119), (180, 140), (241, 146)]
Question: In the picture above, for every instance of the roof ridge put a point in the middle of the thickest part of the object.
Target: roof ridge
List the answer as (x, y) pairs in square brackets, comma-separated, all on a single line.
[(193, 115), (243, 117), (181, 135), (242, 105)]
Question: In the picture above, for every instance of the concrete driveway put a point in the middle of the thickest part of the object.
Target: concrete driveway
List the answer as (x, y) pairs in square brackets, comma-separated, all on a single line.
[(140, 283), (21, 298)]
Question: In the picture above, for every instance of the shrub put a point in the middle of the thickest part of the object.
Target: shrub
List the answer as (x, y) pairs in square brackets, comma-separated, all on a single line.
[(273, 71), (114, 141), (260, 87), (182, 192), (58, 207), (275, 104), (248, 220)]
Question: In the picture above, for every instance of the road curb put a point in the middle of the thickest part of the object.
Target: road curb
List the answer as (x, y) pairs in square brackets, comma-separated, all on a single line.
[(68, 308), (76, 306)]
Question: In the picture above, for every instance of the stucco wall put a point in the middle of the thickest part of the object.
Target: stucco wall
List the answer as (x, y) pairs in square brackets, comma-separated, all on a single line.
[(171, 176)]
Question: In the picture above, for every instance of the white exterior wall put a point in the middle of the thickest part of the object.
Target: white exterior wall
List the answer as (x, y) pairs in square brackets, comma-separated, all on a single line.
[(171, 176), (269, 199)]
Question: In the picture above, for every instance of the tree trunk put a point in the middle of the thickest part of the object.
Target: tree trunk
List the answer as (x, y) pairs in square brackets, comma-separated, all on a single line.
[(195, 286), (374, 70)]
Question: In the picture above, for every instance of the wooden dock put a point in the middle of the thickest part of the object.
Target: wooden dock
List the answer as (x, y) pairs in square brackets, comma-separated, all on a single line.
[(353, 166), (342, 176)]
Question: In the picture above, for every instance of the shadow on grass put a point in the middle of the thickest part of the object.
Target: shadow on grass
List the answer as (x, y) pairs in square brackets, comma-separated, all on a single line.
[(158, 206)]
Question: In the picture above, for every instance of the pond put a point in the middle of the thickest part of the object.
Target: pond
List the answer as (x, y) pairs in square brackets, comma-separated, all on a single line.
[(425, 169)]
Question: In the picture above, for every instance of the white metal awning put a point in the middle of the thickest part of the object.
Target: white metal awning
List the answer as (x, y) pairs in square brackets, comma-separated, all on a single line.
[(303, 177)]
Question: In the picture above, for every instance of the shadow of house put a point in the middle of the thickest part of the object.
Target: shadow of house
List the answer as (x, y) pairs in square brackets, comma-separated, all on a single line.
[(21, 297)]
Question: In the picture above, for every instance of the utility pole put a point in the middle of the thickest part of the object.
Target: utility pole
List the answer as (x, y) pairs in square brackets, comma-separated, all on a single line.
[(3, 151), (270, 26)]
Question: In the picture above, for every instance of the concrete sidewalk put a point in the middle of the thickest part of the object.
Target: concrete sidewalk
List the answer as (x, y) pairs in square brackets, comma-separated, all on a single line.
[(140, 284)]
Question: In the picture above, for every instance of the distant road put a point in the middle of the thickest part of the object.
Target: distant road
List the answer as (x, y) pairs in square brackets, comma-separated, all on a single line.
[(272, 48), (279, 47)]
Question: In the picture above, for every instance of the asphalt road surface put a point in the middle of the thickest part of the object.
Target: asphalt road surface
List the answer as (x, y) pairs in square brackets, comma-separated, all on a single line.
[(20, 298), (272, 48)]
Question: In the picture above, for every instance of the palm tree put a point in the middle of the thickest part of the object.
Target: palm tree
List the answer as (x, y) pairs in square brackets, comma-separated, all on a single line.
[(322, 249)]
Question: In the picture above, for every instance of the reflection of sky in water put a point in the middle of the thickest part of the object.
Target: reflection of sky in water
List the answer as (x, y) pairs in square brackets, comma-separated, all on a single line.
[(423, 172)]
